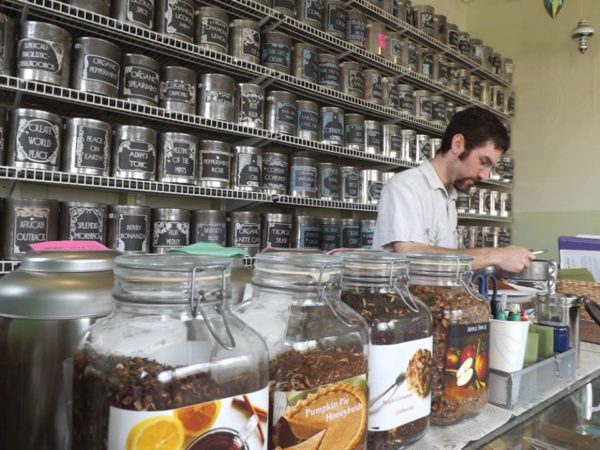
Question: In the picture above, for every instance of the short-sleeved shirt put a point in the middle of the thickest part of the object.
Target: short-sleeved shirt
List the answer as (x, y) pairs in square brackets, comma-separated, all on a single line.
[(416, 207)]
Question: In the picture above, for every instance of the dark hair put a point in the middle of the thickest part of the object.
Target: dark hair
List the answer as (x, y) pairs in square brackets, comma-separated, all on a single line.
[(478, 126)]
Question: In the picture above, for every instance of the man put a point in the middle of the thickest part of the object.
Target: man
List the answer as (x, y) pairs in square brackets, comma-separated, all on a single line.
[(417, 209)]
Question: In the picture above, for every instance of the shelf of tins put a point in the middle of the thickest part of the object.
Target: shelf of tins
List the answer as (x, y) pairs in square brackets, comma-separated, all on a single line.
[(378, 14), (483, 217), (163, 120), (305, 33), (56, 177), (171, 51), (498, 183)]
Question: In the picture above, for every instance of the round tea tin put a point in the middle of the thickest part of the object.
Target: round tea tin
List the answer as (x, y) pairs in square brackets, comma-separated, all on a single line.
[(212, 29), (170, 229), (81, 221), (175, 18), (216, 99), (128, 228), (178, 89), (87, 145), (96, 66), (134, 152), (209, 226), (177, 158), (141, 80), (136, 12), (214, 164)]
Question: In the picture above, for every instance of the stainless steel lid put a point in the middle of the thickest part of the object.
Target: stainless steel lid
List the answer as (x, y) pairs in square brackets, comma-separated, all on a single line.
[(69, 261)]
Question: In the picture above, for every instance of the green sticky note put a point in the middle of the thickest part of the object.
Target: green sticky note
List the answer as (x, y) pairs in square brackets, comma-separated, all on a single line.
[(203, 248), (545, 340), (531, 350)]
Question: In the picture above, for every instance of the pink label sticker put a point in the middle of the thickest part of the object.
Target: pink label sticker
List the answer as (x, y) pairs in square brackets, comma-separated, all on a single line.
[(68, 246), (382, 38)]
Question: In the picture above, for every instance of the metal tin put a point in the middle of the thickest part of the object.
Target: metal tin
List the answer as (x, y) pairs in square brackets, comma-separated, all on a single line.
[(440, 70), (3, 133), (35, 139), (498, 97), (349, 184), (178, 89), (385, 5), (424, 18), (170, 229), (376, 39), (488, 57), (373, 89), (136, 12), (425, 61), (44, 53), (141, 80), (504, 239), (175, 18), (370, 186), (97, 6), (354, 126), (505, 204), (450, 111), (423, 104), (474, 237), (464, 78), (307, 114), (452, 33), (128, 228), (27, 221), (356, 28), (331, 233), (250, 105), (410, 14), (351, 79), (485, 93), (209, 226), (134, 152), (244, 231), (436, 144), (177, 158), (464, 43), (373, 137), (392, 141), (438, 109), (281, 112), (350, 233), (305, 62), (212, 29), (493, 201), (96, 66), (475, 91), (214, 164), (329, 71), (82, 222), (406, 98), (275, 173), (462, 235), (303, 177), (484, 206), (409, 145), (310, 12), (331, 126), (507, 169), (439, 28), (462, 203), (410, 57), (477, 50), (86, 148), (400, 9), (390, 92), (497, 63), (387, 176), (507, 69), (7, 45), (276, 230), (246, 173), (287, 7), (510, 104), (217, 97), (244, 40), (453, 75), (306, 232), (423, 148), (367, 230), (328, 181), (276, 51), (474, 200), (395, 47), (334, 18)]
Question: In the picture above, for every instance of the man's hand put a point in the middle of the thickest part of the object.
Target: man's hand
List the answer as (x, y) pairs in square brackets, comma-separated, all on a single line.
[(512, 259)]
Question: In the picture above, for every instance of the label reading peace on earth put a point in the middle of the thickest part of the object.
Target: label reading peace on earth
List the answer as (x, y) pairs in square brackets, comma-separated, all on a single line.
[(101, 69), (211, 425), (92, 148)]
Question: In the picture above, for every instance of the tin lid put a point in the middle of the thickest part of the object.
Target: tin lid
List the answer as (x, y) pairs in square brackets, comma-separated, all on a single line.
[(69, 261)]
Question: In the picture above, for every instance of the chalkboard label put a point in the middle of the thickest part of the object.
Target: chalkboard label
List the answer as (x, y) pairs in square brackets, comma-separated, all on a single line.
[(286, 113), (251, 107), (308, 121), (246, 235), (214, 166), (336, 19), (331, 235), (351, 185), (101, 69), (86, 224), (132, 229), (179, 18), (278, 235), (329, 74), (275, 174), (92, 148), (178, 91), (427, 22), (249, 170), (366, 239), (396, 48), (304, 178), (333, 127), (374, 190), (141, 82), (276, 53), (374, 138), (406, 101), (140, 11), (179, 159), (40, 54), (356, 80), (350, 236), (37, 140), (355, 133), (313, 10), (136, 155), (439, 110), (356, 30), (309, 65), (250, 42), (3, 41), (214, 31), (168, 233), (213, 233), (30, 226), (328, 182), (310, 237)]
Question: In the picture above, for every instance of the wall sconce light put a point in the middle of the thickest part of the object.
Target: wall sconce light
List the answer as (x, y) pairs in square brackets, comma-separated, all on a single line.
[(582, 34)]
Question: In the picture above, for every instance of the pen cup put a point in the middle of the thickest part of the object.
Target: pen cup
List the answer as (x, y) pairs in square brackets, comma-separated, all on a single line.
[(508, 341)]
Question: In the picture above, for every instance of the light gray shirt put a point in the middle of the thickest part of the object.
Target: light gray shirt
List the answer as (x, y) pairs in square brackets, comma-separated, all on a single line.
[(415, 207)]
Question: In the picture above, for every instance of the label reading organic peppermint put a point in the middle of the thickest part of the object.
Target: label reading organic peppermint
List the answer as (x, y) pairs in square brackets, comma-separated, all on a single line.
[(101, 69)]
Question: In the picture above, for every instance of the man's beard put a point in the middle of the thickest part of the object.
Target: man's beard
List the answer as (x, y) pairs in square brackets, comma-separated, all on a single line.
[(464, 184)]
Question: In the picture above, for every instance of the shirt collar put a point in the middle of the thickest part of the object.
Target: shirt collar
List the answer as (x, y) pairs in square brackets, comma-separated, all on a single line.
[(434, 180)]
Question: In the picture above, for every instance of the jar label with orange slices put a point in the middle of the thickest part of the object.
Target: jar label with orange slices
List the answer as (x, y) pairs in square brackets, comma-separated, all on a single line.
[(330, 417), (233, 423)]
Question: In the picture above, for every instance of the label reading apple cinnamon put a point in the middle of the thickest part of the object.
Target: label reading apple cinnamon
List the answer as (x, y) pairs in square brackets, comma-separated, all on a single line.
[(399, 383), (466, 368), (330, 417), (226, 423)]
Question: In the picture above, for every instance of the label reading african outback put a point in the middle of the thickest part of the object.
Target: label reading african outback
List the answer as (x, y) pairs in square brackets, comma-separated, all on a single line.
[(30, 226)]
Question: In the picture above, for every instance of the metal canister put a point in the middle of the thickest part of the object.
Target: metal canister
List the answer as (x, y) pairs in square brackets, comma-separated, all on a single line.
[(329, 71), (367, 230), (488, 57), (510, 104), (305, 62), (484, 204), (462, 235), (244, 231), (349, 184), (7, 44), (134, 152), (373, 88), (475, 91), (354, 126), (244, 40), (438, 109), (423, 148), (440, 70), (246, 173), (306, 232), (96, 66), (452, 33), (450, 111), (425, 61), (334, 18), (400, 9), (275, 173), (464, 43), (141, 80), (488, 237), (392, 141), (81, 221), (507, 169), (287, 7), (217, 97), (462, 203), (170, 229), (214, 164), (376, 38), (328, 181), (498, 98), (453, 75), (477, 50), (410, 13), (464, 79), (27, 221), (97, 6), (351, 79), (35, 139), (209, 226), (276, 51), (178, 89), (177, 158), (439, 28), (303, 177), (474, 237), (507, 69), (350, 233), (395, 47), (276, 230), (128, 228), (3, 133), (281, 112), (485, 93), (331, 126), (373, 137), (86, 148), (307, 113), (390, 92), (175, 18), (135, 12), (212, 29), (474, 200), (250, 105), (497, 63), (310, 12), (356, 28), (409, 145), (436, 144), (44, 53), (370, 186), (406, 98), (505, 204), (424, 18), (410, 57), (331, 233), (423, 104), (494, 203)]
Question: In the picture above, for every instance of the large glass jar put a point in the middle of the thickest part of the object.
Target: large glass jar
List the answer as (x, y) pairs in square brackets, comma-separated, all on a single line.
[(172, 364), (375, 285), (317, 349), (460, 334)]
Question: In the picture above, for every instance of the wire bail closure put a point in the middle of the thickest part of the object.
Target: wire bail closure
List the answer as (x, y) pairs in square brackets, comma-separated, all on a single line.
[(397, 283)]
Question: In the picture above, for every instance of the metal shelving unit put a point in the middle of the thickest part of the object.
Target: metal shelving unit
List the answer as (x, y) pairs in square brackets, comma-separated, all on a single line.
[(8, 266), (484, 218)]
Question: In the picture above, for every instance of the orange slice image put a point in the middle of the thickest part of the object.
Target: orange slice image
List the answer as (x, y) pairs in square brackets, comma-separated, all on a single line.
[(198, 419)]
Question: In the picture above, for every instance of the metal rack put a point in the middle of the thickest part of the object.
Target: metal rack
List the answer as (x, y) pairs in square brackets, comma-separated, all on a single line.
[(8, 266), (486, 218)]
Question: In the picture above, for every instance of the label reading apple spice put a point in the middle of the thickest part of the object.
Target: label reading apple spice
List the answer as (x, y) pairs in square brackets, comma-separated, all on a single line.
[(278, 235), (350, 236), (37, 140), (141, 82), (329, 74), (400, 366), (92, 148), (136, 155), (203, 426), (214, 31), (466, 368), (213, 233), (132, 233), (276, 53), (40, 54), (31, 226), (140, 11), (168, 233), (86, 224), (101, 69), (310, 237), (179, 18)]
